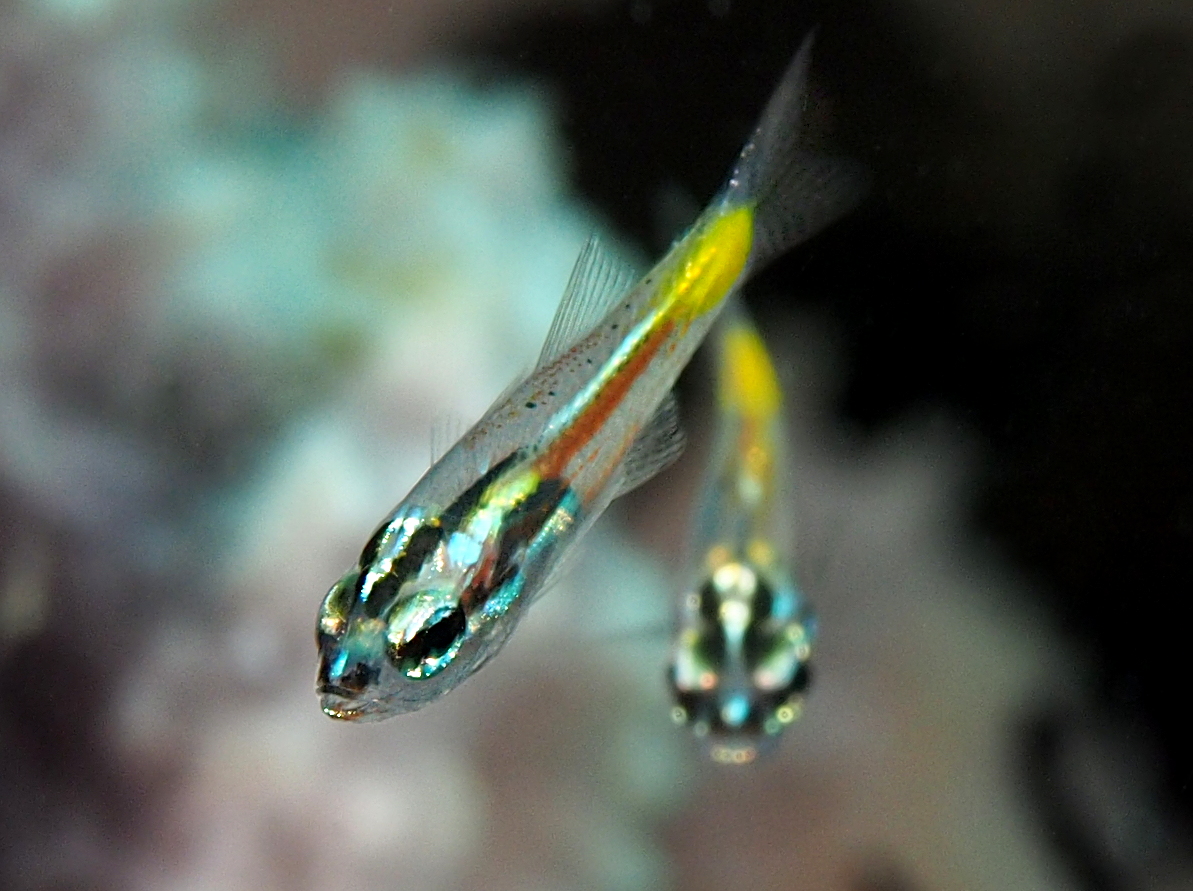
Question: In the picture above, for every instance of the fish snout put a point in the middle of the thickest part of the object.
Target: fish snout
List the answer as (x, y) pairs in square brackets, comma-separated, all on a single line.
[(344, 679)]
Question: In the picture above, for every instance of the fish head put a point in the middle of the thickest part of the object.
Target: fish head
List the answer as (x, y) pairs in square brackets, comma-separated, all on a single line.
[(374, 667), (741, 661), (397, 633), (437, 591)]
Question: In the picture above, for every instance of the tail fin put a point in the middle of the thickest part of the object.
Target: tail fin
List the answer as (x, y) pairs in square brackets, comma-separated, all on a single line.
[(795, 193)]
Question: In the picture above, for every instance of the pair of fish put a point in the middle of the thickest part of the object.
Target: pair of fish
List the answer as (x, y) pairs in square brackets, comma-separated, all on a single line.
[(445, 578)]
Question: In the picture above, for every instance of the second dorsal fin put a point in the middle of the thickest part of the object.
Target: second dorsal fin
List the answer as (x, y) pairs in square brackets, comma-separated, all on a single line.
[(598, 281)]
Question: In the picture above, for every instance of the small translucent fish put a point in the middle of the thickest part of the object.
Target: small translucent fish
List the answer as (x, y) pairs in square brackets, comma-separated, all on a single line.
[(445, 578), (739, 661)]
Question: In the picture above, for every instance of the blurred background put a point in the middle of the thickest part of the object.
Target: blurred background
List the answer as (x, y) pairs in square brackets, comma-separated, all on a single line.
[(253, 253)]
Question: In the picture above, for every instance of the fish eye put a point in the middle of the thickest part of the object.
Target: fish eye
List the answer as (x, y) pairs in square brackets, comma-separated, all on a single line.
[(373, 547), (333, 613), (424, 654)]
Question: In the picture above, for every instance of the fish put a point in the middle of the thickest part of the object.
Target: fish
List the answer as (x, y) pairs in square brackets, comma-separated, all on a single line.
[(445, 578), (740, 657)]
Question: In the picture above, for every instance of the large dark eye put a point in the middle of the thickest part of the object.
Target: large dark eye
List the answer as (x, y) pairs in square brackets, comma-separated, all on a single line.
[(373, 547), (433, 641), (333, 613)]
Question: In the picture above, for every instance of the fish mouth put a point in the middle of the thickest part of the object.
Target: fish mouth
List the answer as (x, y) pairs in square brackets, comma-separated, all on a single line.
[(344, 705)]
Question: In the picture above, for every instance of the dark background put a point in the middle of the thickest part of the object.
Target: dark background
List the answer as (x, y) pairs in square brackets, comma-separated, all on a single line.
[(1025, 257)]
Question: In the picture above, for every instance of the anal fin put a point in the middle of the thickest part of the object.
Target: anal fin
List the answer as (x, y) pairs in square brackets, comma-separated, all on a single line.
[(657, 446)]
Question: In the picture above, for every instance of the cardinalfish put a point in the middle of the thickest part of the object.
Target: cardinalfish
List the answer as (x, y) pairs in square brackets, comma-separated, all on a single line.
[(739, 661), (443, 581)]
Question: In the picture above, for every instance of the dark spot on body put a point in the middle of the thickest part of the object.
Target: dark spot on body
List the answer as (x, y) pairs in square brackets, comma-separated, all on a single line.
[(532, 405), (522, 525), (432, 641), (467, 502), (383, 591)]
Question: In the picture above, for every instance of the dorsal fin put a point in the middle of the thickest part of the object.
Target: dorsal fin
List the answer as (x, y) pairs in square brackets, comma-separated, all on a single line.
[(658, 445), (598, 280), (446, 431)]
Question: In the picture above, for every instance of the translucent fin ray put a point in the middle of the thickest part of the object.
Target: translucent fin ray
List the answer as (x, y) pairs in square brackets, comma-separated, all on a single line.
[(659, 445), (808, 195), (447, 430), (597, 282), (795, 193)]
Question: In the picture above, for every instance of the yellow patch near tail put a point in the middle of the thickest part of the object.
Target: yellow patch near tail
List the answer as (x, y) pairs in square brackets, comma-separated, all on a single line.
[(749, 384), (707, 263)]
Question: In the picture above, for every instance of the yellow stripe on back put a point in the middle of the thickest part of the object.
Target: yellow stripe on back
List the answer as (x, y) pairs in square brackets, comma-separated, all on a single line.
[(712, 257), (749, 384)]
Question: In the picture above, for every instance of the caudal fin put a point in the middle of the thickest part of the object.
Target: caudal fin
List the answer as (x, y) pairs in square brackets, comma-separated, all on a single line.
[(795, 193)]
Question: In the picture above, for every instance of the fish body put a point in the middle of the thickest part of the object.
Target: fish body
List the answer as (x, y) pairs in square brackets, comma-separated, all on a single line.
[(444, 579), (739, 661)]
